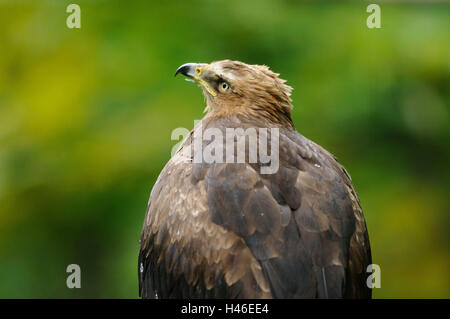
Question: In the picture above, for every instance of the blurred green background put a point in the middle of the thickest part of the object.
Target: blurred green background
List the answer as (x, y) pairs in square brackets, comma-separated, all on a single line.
[(86, 116)]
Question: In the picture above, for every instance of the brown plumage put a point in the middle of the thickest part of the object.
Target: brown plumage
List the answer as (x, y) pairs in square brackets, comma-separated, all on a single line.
[(225, 230)]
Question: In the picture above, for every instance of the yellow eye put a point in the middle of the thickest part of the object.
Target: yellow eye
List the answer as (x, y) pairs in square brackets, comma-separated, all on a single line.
[(223, 87)]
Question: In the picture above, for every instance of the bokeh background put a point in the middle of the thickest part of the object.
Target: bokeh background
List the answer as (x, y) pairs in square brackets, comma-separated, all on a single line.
[(86, 117)]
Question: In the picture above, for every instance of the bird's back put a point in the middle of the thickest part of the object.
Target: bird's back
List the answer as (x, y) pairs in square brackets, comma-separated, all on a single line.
[(225, 230)]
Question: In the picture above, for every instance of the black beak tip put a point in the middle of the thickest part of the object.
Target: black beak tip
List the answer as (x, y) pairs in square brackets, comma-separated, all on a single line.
[(177, 71), (186, 69)]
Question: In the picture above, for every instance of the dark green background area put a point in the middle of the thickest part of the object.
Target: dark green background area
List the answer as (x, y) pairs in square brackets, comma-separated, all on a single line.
[(86, 117)]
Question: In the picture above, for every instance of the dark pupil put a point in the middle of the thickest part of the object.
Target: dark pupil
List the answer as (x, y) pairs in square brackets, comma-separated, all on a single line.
[(224, 85)]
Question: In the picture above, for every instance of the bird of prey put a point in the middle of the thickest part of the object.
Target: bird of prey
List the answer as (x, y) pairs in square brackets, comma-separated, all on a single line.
[(226, 229)]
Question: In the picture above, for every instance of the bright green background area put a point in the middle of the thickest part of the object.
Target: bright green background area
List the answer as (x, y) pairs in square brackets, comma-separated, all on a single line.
[(86, 117)]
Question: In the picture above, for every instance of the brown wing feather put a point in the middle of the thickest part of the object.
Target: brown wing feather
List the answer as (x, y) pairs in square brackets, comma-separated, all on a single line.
[(183, 253)]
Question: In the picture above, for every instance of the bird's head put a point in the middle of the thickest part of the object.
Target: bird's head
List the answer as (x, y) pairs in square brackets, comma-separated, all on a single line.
[(233, 87)]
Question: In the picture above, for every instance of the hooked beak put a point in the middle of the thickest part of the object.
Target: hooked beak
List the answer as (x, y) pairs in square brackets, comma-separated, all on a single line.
[(195, 71), (187, 69)]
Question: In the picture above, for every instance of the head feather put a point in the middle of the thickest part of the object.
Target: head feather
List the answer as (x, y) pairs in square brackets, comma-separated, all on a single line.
[(257, 91)]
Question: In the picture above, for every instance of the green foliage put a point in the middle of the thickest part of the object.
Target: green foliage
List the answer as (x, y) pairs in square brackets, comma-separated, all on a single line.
[(86, 116)]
